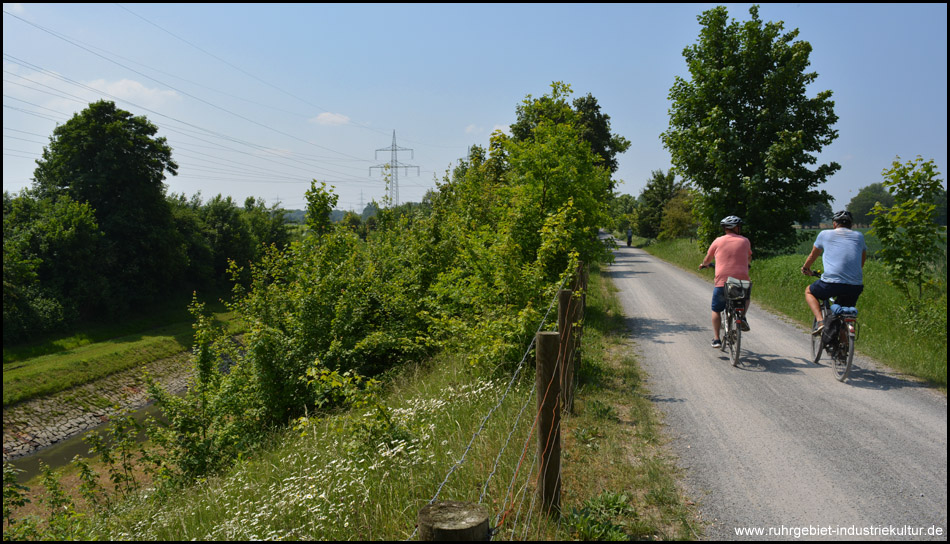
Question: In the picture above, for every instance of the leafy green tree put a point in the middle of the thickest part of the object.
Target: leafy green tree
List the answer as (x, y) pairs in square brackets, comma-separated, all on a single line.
[(230, 238), (863, 202), (678, 219), (320, 203), (743, 131), (622, 211), (266, 225), (556, 179), (595, 129), (50, 267), (818, 213), (112, 160), (908, 231), (594, 125), (659, 190), (194, 235)]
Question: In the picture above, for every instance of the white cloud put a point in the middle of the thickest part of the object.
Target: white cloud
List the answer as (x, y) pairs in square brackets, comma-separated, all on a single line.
[(331, 119), (14, 8), (135, 92), (471, 129)]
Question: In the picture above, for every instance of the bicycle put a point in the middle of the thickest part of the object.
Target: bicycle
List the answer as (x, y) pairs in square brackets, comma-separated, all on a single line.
[(837, 337), (736, 291)]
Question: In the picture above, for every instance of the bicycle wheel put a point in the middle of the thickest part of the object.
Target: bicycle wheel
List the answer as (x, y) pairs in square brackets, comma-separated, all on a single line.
[(733, 338), (723, 331), (815, 344), (844, 354)]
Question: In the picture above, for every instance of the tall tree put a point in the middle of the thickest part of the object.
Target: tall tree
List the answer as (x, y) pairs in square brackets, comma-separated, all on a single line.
[(594, 126), (660, 189), (595, 130), (743, 131), (111, 159), (864, 202), (320, 203), (818, 213), (908, 230)]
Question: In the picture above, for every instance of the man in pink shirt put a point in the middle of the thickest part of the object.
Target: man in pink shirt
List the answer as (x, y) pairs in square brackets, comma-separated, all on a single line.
[(732, 253)]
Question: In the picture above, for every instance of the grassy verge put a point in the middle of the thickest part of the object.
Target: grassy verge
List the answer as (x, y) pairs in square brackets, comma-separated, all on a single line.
[(893, 330), (82, 358), (366, 473)]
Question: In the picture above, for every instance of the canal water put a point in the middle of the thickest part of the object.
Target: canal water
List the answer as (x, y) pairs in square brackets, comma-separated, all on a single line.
[(62, 453)]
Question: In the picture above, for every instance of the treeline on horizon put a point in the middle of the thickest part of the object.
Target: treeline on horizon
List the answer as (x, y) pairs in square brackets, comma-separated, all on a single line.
[(96, 237)]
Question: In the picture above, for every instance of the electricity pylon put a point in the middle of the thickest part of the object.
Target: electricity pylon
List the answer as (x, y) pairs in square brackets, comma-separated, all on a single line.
[(394, 166)]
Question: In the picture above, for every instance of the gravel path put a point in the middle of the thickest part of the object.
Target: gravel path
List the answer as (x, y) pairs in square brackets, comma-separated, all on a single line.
[(779, 445)]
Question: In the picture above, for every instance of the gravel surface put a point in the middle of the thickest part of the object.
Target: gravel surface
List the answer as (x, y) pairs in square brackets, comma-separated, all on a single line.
[(778, 444)]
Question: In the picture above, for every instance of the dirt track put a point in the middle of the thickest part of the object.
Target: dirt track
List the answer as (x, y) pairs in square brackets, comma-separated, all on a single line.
[(778, 444)]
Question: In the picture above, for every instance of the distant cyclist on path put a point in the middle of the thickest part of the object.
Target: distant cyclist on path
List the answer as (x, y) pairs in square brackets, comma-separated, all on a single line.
[(843, 253), (732, 253)]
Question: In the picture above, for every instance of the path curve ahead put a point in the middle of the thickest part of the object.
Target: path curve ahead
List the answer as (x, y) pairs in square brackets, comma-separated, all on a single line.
[(778, 444)]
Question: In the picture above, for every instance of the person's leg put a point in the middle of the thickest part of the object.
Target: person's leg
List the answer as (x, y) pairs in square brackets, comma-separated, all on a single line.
[(813, 304), (718, 305)]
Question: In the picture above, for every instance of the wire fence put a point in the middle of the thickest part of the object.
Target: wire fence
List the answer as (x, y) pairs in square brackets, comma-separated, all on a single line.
[(519, 508)]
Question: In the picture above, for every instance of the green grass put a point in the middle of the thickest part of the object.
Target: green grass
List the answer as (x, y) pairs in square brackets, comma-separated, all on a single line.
[(351, 476), (81, 358), (907, 337)]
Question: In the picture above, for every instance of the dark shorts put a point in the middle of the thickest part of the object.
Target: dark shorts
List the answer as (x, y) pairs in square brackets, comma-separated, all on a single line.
[(719, 299), (845, 294)]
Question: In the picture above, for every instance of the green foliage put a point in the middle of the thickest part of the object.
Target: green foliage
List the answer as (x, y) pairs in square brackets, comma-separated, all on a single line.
[(743, 132), (466, 269), (862, 203), (910, 237), (594, 519), (593, 125), (50, 268), (659, 190), (110, 159), (818, 213), (623, 212), (320, 202), (14, 496), (678, 218)]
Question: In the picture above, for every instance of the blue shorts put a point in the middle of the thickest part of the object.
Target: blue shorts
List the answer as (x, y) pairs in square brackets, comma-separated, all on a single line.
[(719, 300), (845, 294)]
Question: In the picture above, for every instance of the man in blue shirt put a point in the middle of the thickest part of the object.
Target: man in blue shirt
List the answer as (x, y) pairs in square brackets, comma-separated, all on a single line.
[(843, 252)]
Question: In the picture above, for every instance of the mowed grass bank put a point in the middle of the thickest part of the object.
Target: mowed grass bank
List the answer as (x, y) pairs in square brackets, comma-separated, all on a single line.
[(893, 329), (57, 364), (366, 473)]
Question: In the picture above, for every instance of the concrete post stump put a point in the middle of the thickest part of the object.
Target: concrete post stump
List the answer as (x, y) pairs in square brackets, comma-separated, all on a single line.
[(452, 520)]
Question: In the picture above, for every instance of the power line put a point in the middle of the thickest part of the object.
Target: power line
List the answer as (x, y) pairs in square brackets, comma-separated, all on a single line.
[(394, 166)]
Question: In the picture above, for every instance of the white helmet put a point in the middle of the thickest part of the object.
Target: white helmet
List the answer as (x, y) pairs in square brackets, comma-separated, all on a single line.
[(731, 222)]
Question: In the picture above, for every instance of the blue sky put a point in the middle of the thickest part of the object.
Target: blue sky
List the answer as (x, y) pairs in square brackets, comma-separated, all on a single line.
[(258, 99)]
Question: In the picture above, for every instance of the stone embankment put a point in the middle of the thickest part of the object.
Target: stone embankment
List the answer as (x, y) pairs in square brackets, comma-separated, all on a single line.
[(35, 424)]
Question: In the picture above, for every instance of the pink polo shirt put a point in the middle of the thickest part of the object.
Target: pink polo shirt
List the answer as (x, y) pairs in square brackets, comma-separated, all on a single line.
[(732, 253)]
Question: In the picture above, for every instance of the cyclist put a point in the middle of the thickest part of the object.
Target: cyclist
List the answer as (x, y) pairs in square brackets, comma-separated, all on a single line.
[(732, 253), (843, 252)]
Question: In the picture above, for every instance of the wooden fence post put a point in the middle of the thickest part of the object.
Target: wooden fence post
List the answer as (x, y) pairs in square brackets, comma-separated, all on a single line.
[(549, 421), (451, 520), (566, 315)]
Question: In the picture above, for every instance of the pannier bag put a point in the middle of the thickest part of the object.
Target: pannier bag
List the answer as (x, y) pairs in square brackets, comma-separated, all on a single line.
[(737, 289), (829, 334)]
